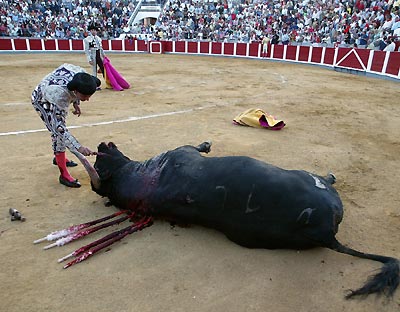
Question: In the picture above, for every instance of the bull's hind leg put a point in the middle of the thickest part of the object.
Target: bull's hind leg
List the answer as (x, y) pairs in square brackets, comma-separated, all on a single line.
[(204, 147)]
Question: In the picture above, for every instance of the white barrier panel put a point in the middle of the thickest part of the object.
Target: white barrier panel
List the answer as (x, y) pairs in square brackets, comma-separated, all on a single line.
[(157, 49)]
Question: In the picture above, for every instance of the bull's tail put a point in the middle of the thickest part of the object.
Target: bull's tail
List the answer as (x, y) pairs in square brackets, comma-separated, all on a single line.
[(385, 282)]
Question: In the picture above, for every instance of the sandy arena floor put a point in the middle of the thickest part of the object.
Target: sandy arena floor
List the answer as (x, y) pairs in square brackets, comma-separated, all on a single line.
[(335, 122)]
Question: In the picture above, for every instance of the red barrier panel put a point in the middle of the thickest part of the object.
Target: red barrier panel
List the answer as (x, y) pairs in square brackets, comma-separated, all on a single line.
[(393, 65), (377, 61), (204, 47), (50, 44), (316, 55), (35, 44), (116, 45), (278, 51), (216, 48), (20, 45), (180, 46), (77, 45), (5, 44), (130, 44), (63, 44), (291, 52), (192, 47), (329, 56), (166, 46), (241, 49), (349, 58), (254, 49), (105, 45), (142, 46), (304, 53), (229, 48)]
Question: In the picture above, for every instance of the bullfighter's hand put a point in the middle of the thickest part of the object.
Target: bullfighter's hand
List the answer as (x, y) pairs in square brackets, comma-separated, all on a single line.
[(86, 151), (77, 109)]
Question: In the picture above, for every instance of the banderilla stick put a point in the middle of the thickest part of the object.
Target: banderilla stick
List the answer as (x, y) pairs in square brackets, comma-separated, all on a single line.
[(145, 222), (92, 244), (75, 236), (72, 229)]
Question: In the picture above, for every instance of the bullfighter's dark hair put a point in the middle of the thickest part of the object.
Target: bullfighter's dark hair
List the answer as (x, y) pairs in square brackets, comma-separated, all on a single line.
[(84, 83)]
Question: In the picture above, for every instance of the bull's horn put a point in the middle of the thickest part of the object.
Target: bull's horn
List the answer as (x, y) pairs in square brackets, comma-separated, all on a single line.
[(94, 177)]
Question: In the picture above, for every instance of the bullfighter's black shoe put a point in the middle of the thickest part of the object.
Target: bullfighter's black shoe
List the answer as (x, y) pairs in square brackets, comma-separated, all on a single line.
[(65, 182), (70, 163)]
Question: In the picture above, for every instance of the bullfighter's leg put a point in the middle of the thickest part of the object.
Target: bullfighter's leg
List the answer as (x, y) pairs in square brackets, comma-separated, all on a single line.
[(204, 147), (54, 119), (94, 66), (99, 62)]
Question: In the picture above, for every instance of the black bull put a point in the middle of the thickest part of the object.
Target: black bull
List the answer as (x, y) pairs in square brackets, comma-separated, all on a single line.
[(255, 204)]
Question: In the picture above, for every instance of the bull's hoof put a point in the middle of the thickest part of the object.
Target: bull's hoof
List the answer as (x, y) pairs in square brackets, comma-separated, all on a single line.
[(330, 178), (65, 182), (70, 163), (204, 147)]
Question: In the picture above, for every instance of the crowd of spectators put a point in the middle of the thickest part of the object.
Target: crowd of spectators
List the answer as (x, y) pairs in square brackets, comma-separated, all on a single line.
[(374, 24), (63, 19)]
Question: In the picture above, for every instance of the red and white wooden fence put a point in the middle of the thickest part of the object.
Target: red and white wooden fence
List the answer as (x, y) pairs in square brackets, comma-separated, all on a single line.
[(385, 64)]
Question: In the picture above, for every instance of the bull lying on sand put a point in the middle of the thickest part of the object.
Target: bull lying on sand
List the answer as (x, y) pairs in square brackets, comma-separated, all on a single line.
[(255, 204)]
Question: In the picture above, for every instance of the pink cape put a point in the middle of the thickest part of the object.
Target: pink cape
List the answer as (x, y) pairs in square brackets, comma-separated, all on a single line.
[(113, 77)]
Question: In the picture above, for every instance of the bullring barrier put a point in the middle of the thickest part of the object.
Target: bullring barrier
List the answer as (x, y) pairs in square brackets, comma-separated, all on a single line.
[(359, 61)]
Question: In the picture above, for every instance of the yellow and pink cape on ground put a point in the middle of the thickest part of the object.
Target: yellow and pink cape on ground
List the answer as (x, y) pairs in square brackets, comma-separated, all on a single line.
[(255, 117)]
